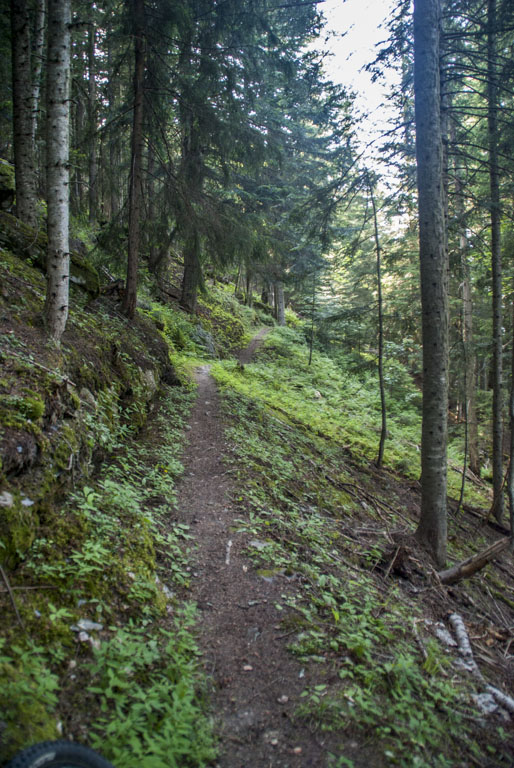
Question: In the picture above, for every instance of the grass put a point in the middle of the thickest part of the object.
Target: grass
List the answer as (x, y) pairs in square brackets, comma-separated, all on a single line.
[(287, 427), (329, 399)]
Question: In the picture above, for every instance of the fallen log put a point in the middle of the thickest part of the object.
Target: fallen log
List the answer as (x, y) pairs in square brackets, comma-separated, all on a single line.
[(473, 564)]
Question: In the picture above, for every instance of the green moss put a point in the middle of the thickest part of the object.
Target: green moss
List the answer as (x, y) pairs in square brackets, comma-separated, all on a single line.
[(7, 177), (23, 410), (18, 527), (27, 699), (31, 244)]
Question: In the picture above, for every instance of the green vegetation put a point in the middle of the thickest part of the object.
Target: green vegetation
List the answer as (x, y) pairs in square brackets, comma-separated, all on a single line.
[(100, 556), (107, 639), (104, 635), (303, 496), (330, 398)]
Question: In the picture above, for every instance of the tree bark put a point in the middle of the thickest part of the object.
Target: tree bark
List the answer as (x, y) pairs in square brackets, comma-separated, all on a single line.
[(136, 162), (23, 106), (192, 272), (37, 64), (432, 529), (58, 73), (468, 567), (249, 287), (114, 164), (93, 165), (279, 303), (510, 477), (383, 431), (496, 260)]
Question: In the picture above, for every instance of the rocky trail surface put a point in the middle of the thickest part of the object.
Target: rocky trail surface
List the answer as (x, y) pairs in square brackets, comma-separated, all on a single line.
[(256, 683)]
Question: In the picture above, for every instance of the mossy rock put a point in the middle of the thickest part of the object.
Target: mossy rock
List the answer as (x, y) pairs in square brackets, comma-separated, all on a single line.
[(19, 523), (31, 244), (7, 184)]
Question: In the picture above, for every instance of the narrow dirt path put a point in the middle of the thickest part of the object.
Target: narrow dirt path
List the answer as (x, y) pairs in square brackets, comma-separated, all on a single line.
[(256, 682)]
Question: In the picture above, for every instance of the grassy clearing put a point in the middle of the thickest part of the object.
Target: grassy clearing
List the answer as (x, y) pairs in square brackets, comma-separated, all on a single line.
[(358, 633)]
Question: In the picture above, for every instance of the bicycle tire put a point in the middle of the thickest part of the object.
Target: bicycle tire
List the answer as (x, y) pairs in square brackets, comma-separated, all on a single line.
[(58, 754)]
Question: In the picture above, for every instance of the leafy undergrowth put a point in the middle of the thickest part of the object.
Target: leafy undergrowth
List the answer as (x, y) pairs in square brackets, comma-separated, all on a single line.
[(110, 657), (329, 399), (332, 528), (221, 326), (97, 638)]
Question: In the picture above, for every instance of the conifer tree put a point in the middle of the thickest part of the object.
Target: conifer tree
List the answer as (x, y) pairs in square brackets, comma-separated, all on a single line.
[(433, 268)]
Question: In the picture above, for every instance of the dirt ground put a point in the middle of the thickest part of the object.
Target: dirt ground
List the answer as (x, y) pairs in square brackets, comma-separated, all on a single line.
[(256, 684)]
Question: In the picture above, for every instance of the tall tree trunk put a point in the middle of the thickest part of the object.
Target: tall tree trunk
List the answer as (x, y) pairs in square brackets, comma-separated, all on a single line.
[(93, 169), (38, 43), (192, 272), (249, 287), (239, 281), (510, 478), (313, 314), (23, 113), (470, 359), (78, 181), (151, 213), (136, 162), (432, 529), (383, 430), (470, 363), (58, 73), (496, 259), (114, 199), (280, 312)]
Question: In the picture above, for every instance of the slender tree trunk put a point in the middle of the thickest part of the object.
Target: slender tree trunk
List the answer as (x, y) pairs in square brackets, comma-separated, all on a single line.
[(114, 199), (239, 279), (470, 360), (248, 288), (496, 257), (470, 363), (93, 169), (151, 214), (37, 64), (271, 295), (432, 529), (313, 312), (279, 303), (510, 479), (23, 113), (383, 431), (58, 72), (78, 118), (192, 272), (135, 180)]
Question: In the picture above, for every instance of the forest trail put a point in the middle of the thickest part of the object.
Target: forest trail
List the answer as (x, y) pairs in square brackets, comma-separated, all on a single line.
[(256, 683)]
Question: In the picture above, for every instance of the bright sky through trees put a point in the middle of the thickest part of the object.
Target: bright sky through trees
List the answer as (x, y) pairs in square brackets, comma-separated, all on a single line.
[(355, 27)]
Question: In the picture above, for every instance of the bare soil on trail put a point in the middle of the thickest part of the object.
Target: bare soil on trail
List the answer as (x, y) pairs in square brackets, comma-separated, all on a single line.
[(256, 683)]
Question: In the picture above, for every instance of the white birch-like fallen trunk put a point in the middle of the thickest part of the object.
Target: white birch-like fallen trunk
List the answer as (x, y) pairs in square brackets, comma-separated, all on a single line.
[(465, 650)]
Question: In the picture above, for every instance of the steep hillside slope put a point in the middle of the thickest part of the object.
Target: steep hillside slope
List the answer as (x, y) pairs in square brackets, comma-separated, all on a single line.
[(93, 557), (102, 553), (382, 642)]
